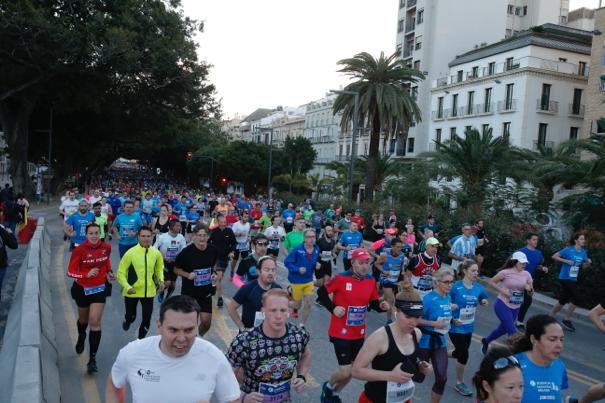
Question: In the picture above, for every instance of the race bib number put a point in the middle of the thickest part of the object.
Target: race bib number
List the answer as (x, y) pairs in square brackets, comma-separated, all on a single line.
[(393, 275), (183, 218), (425, 283), (356, 315), (275, 393), (574, 271), (379, 231), (447, 320), (82, 230), (94, 290), (274, 244), (202, 277), (399, 392), (171, 253), (480, 242), (467, 315), (243, 246), (516, 297), (326, 255), (259, 318), (289, 220)]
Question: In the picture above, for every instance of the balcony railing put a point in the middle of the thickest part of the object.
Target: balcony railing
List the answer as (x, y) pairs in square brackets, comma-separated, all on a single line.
[(407, 52), (411, 3), (343, 158), (545, 106), (543, 144), (576, 110), (410, 26), (485, 109), (438, 115), (508, 105)]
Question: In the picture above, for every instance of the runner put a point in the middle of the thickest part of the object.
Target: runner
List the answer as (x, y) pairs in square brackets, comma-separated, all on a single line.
[(463, 247), (533, 267), (515, 281), (573, 258), (249, 297), (390, 263), (269, 373), (289, 214), (352, 292), (241, 230), (479, 233), (147, 205), (140, 269), (349, 240), (170, 367), (90, 266), (435, 323), (499, 378), (68, 206), (466, 296), (161, 223), (170, 245), (75, 225), (326, 244), (295, 237), (125, 228), (393, 353), (301, 263), (223, 239), (596, 392), (107, 210), (422, 267), (538, 352), (195, 265), (246, 270), (100, 219), (276, 234)]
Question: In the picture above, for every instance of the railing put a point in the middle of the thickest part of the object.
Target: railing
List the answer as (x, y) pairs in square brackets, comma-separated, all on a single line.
[(576, 110), (468, 110), (485, 109), (407, 52), (472, 75), (438, 115), (547, 106), (411, 3), (343, 158), (322, 139), (543, 144), (324, 160), (434, 146), (410, 26), (509, 105)]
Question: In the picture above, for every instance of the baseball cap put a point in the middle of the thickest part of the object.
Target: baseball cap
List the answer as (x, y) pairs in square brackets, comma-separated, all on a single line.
[(433, 241), (391, 231), (520, 257), (360, 254)]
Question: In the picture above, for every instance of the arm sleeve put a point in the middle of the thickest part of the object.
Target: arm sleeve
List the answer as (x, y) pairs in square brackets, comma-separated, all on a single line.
[(107, 265), (236, 352), (324, 299), (74, 262), (375, 305), (119, 370), (241, 295), (123, 271)]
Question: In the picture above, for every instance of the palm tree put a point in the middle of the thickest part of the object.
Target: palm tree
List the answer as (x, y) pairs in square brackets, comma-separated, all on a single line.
[(385, 100), (385, 167), (341, 181)]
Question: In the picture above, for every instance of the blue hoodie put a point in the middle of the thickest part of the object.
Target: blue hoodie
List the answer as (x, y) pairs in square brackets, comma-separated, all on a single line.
[(298, 258)]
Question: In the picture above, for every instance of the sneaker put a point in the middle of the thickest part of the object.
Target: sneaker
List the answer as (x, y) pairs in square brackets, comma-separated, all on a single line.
[(520, 325), (219, 302), (295, 313), (571, 399), (328, 395), (91, 367), (125, 325), (463, 389), (80, 343), (568, 325), (484, 346)]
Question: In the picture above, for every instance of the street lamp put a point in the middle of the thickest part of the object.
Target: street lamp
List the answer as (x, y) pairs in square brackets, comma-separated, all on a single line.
[(270, 129), (354, 134)]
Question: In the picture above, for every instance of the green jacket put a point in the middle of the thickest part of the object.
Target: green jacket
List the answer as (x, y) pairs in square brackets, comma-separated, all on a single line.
[(140, 268)]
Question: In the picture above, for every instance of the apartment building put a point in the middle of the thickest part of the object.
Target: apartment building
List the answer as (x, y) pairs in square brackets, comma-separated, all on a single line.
[(322, 128), (595, 91)]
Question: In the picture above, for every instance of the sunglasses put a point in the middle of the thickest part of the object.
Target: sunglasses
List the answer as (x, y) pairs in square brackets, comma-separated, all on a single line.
[(506, 362)]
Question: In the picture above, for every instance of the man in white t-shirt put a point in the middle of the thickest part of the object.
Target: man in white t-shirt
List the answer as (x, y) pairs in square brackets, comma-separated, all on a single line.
[(241, 229), (173, 367), (276, 234)]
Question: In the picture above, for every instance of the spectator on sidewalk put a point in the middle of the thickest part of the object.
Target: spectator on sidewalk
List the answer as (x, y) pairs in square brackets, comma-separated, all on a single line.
[(7, 238)]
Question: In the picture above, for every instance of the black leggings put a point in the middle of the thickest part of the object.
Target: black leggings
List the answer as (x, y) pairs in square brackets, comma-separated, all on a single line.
[(527, 300), (131, 313), (461, 342), (438, 358)]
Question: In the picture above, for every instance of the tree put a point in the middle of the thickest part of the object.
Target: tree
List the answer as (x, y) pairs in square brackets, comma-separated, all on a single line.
[(385, 167), (385, 100), (299, 155)]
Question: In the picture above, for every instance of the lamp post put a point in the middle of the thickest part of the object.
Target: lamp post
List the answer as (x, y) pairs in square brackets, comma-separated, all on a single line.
[(353, 135), (270, 129), (212, 160)]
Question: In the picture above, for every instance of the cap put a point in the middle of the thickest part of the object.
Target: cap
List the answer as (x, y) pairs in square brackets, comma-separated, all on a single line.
[(360, 254), (433, 241), (391, 231), (520, 257)]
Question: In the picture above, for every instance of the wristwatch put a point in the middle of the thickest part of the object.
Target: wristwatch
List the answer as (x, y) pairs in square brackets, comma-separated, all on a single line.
[(302, 377)]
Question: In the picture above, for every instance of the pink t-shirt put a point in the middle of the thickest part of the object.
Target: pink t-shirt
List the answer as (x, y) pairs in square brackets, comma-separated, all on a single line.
[(515, 281)]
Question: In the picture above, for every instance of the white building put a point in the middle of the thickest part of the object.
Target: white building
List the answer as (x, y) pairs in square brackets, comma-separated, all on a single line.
[(582, 18), (528, 88), (431, 33), (322, 128), (279, 124)]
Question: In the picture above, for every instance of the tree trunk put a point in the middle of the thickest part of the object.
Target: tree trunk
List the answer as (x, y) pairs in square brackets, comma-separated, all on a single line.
[(373, 155), (15, 115)]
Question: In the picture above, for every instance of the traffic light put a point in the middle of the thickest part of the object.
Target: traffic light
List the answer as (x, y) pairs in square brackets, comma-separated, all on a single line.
[(223, 181), (189, 155)]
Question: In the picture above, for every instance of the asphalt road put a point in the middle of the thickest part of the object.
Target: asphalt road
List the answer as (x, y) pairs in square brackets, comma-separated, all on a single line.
[(583, 353)]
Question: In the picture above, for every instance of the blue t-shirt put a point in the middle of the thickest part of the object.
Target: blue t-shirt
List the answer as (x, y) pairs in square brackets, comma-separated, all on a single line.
[(78, 223), (535, 259), (352, 240), (126, 223), (542, 384), (115, 203), (578, 257), (193, 217), (467, 301), (436, 308), (289, 216)]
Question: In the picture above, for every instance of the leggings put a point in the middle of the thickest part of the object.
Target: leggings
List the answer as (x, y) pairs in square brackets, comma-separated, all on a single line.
[(527, 300), (438, 358), (507, 318), (462, 342), (131, 313)]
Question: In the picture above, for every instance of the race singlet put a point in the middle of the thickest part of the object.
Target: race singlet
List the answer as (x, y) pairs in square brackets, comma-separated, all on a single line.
[(356, 315), (467, 315), (275, 393), (399, 392), (202, 277), (516, 297)]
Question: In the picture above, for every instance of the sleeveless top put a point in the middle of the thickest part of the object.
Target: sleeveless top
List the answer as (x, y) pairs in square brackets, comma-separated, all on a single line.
[(392, 267), (376, 391), (163, 228)]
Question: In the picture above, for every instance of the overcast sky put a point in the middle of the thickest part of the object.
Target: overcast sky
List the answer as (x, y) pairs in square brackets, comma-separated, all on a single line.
[(267, 53)]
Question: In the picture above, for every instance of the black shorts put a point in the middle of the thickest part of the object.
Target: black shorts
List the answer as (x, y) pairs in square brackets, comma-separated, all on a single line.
[(221, 264), (169, 271), (205, 302), (324, 270), (244, 254), (346, 263), (569, 292), (273, 252), (346, 350), (389, 285), (83, 300)]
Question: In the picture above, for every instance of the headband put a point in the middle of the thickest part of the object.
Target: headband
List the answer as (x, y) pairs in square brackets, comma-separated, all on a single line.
[(410, 308)]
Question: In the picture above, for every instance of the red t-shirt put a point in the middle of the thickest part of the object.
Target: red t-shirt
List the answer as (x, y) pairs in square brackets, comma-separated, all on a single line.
[(231, 219), (354, 296), (86, 257), (256, 214)]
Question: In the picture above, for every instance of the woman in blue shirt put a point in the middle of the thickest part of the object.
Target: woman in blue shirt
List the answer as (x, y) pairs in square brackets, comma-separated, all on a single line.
[(538, 352), (466, 295), (435, 323), (572, 258)]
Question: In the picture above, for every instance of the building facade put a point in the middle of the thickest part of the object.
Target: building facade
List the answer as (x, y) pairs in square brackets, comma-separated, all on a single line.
[(322, 128), (595, 91), (529, 88)]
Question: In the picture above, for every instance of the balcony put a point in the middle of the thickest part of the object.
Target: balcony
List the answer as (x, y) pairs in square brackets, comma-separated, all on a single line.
[(485, 109), (343, 158), (411, 3), (545, 106), (433, 146), (438, 115), (468, 110), (576, 111), (543, 144), (324, 160), (508, 105), (410, 26), (407, 52)]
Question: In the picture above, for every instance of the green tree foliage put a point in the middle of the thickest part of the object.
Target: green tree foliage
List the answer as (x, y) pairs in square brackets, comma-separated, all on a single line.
[(299, 155)]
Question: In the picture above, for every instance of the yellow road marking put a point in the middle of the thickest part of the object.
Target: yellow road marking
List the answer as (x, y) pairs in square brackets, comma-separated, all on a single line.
[(89, 384)]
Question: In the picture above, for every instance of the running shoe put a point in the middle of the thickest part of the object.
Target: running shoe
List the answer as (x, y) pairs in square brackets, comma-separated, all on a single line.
[(295, 313), (568, 325), (463, 389), (91, 367), (328, 395), (484, 346), (520, 325), (219, 302), (80, 343)]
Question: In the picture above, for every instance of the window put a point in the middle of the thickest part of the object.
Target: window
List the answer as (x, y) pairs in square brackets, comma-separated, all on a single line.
[(401, 3), (438, 136), (602, 83), (475, 71), (440, 107), (411, 145), (524, 10), (508, 33), (508, 101), (340, 149), (400, 26), (418, 42), (506, 131), (542, 127), (469, 102), (518, 11), (467, 129), (420, 17), (491, 68), (511, 9), (452, 133), (459, 75), (545, 98), (398, 50), (563, 60), (455, 105), (509, 63), (488, 100), (582, 68), (414, 93), (484, 128), (392, 145), (576, 105), (563, 20), (417, 65), (573, 133)]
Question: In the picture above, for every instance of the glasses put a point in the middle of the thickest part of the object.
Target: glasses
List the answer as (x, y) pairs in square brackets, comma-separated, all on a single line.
[(310, 236), (262, 243), (506, 362), (446, 282)]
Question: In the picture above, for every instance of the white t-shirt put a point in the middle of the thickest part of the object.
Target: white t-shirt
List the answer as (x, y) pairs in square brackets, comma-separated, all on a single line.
[(69, 207), (239, 227), (156, 377), (273, 232), (169, 245)]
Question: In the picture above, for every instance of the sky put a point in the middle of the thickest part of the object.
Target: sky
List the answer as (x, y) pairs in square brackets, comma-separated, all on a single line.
[(267, 53)]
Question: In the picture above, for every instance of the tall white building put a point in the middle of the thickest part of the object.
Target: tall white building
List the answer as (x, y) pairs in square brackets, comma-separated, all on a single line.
[(431, 33), (322, 128), (529, 88)]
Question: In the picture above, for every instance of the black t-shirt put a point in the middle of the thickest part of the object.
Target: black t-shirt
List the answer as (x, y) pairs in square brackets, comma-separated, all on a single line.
[(212, 205), (250, 298), (191, 259), (326, 246), (223, 241), (247, 268)]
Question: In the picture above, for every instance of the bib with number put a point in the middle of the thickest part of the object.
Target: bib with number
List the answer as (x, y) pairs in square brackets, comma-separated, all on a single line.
[(171, 253), (516, 297), (574, 271), (259, 318), (425, 283), (467, 315), (356, 315), (94, 290), (289, 220), (399, 392), (183, 218), (202, 277), (243, 246), (326, 255), (274, 244), (275, 393), (448, 324)]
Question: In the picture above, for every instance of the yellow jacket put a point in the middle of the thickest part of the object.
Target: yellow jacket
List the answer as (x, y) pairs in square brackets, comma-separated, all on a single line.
[(140, 268)]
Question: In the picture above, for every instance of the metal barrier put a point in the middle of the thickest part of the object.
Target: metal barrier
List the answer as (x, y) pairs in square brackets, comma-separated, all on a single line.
[(29, 359)]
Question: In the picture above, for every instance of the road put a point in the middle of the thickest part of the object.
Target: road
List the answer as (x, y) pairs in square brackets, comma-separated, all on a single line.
[(583, 353)]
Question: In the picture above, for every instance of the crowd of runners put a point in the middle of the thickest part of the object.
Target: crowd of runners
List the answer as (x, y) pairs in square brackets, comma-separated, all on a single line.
[(202, 240)]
